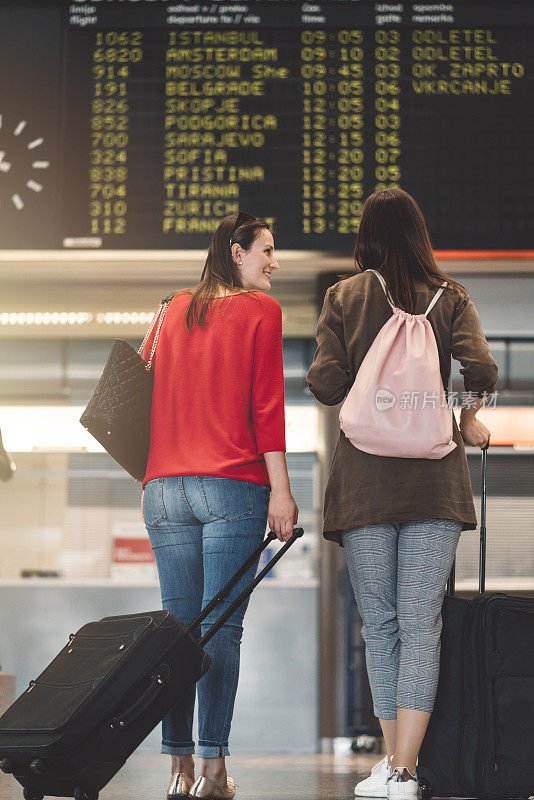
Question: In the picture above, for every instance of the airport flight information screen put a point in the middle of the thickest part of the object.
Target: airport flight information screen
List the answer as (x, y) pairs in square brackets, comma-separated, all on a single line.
[(141, 123)]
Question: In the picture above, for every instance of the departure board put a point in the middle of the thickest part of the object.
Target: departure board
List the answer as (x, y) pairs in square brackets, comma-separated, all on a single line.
[(139, 124)]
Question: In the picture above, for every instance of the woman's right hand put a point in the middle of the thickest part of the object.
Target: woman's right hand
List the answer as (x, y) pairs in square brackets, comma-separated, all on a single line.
[(474, 433), (283, 514)]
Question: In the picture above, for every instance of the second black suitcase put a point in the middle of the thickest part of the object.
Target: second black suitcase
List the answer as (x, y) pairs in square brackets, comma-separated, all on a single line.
[(480, 739), (115, 679)]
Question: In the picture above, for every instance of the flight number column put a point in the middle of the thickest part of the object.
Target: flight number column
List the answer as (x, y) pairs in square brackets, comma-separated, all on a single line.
[(114, 53)]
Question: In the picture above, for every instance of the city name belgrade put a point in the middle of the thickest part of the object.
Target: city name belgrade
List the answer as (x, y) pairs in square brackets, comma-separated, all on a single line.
[(214, 88)]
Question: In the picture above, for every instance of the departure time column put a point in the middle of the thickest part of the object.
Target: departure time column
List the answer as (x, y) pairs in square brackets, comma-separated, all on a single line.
[(313, 69), (350, 123)]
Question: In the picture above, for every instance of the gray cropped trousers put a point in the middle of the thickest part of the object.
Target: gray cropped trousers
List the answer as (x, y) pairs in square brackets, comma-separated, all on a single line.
[(399, 573)]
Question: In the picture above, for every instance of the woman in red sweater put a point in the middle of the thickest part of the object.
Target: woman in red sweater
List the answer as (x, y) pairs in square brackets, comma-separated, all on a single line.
[(216, 471)]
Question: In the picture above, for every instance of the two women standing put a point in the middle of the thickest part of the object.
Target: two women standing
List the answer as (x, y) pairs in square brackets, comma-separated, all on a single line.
[(217, 474)]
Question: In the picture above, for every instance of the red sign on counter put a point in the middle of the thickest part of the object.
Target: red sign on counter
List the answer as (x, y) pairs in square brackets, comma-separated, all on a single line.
[(132, 551)]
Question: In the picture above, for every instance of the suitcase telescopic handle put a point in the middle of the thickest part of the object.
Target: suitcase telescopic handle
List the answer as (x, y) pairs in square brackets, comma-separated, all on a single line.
[(232, 582), (482, 555), (482, 544), (297, 533)]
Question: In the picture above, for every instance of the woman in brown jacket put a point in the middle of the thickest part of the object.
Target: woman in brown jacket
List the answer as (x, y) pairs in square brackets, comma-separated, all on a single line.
[(399, 519)]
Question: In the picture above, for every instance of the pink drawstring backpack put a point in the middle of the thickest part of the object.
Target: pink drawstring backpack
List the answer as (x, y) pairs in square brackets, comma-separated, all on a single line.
[(397, 405)]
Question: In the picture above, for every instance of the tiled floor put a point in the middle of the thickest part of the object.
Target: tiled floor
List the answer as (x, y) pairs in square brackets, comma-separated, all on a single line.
[(320, 777)]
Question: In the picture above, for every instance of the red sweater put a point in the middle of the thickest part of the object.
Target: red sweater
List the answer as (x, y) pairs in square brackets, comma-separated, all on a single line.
[(218, 401)]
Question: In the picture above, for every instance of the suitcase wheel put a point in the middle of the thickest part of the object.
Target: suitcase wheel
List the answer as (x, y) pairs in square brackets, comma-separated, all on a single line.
[(80, 794), (29, 794)]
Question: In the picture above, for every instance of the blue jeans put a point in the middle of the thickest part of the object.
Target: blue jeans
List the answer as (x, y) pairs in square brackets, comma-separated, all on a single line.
[(398, 572), (202, 529)]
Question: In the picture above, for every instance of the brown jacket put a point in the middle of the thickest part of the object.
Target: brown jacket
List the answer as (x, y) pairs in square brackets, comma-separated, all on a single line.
[(368, 489)]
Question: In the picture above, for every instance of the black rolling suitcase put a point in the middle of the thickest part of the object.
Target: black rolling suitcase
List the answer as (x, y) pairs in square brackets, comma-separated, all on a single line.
[(75, 726), (480, 740)]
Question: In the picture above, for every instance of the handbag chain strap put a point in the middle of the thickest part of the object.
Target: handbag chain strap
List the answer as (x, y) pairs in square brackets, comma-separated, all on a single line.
[(158, 317)]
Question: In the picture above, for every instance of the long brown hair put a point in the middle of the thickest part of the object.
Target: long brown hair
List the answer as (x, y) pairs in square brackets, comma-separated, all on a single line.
[(220, 269), (393, 239)]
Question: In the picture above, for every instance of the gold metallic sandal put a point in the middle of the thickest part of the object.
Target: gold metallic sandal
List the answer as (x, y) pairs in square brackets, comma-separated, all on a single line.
[(208, 790), (180, 786)]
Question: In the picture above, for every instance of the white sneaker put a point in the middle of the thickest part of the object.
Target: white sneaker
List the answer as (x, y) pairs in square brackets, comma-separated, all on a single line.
[(376, 784), (402, 785)]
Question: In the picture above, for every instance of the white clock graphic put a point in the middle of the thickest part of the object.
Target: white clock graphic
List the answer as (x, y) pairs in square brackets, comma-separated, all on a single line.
[(19, 160)]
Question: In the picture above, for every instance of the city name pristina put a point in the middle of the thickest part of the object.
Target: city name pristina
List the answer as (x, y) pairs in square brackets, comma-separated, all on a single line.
[(190, 178)]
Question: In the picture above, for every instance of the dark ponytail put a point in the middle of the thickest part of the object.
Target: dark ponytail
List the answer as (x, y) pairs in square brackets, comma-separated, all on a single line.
[(393, 239)]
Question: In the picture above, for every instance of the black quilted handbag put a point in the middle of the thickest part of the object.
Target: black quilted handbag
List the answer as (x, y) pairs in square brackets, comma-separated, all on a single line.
[(118, 413)]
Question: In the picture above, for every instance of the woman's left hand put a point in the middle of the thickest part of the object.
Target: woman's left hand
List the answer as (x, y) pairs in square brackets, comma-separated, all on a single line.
[(283, 514)]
